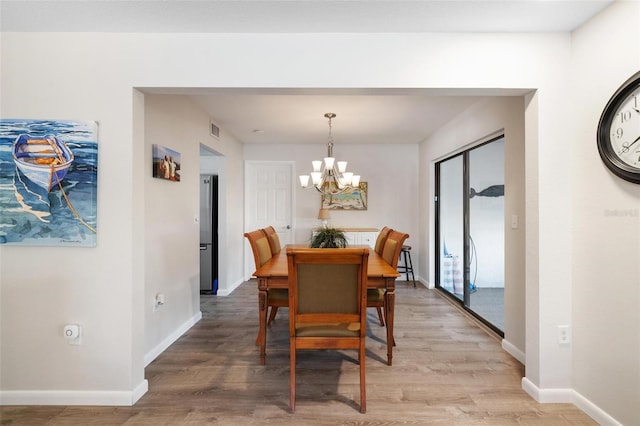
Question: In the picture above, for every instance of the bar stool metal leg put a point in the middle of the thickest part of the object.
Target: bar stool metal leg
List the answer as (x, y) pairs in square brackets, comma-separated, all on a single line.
[(407, 266)]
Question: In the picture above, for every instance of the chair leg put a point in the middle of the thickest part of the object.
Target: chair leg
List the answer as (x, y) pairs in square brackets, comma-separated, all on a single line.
[(380, 317), (292, 375), (272, 314)]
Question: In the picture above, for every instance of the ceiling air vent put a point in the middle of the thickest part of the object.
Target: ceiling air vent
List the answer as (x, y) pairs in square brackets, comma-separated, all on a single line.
[(214, 130)]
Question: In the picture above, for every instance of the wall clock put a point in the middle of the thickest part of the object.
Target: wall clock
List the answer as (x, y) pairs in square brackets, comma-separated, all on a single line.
[(619, 131)]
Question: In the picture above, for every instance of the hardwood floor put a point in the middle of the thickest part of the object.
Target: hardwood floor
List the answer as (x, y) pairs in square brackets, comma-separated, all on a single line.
[(446, 370)]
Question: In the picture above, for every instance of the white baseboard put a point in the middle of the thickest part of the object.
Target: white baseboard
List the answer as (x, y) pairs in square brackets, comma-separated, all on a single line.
[(594, 411), (568, 396), (162, 346), (514, 351), (103, 398), (139, 391), (228, 291), (558, 395), (426, 283)]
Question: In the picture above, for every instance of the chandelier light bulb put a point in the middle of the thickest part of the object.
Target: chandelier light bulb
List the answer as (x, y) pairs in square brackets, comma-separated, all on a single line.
[(304, 181), (317, 165), (328, 162), (346, 178), (355, 180), (316, 177)]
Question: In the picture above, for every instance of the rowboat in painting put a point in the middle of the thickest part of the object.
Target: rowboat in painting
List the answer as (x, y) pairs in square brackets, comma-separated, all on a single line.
[(32, 198), (44, 161)]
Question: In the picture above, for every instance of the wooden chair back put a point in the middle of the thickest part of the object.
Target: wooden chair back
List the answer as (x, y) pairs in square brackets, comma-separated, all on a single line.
[(393, 247), (382, 238), (277, 297), (260, 246), (327, 305), (274, 240)]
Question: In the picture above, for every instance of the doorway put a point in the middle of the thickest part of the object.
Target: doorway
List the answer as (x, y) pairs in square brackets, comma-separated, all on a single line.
[(268, 201), (213, 163), (470, 230), (209, 248)]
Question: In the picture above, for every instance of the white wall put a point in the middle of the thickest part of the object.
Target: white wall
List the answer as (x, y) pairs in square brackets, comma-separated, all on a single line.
[(391, 172), (103, 288), (171, 233), (606, 234)]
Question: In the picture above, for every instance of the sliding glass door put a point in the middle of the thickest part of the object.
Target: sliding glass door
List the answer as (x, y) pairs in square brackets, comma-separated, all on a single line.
[(451, 225), (470, 230)]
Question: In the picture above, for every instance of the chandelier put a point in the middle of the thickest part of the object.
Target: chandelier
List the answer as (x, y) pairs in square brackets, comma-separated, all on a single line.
[(330, 176)]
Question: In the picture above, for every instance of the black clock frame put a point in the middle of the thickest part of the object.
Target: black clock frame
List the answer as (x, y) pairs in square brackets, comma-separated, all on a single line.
[(608, 155)]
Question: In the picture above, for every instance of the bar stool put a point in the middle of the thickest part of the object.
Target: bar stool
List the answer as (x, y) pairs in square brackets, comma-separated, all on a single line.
[(407, 266)]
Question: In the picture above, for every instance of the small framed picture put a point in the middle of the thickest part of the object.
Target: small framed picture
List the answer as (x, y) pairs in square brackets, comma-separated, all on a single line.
[(166, 163)]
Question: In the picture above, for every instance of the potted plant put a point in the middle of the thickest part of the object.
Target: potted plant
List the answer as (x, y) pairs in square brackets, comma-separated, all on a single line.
[(328, 238)]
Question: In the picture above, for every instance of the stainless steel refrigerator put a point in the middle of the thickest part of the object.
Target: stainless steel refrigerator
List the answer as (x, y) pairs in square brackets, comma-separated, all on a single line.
[(209, 234)]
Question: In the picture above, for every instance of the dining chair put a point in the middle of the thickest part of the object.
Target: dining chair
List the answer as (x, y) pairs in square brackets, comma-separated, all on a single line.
[(391, 254), (382, 237), (274, 240), (259, 241), (274, 243), (327, 305)]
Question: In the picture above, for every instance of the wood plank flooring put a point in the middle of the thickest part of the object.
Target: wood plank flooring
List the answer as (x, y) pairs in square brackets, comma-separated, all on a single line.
[(446, 371)]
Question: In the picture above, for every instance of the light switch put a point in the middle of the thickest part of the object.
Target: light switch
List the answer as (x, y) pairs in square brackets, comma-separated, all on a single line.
[(514, 221)]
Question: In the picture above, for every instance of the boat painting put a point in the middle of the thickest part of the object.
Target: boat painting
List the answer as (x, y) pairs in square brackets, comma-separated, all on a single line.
[(44, 161), (62, 211)]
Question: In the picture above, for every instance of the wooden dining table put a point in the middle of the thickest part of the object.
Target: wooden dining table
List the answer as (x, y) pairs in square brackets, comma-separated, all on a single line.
[(274, 274)]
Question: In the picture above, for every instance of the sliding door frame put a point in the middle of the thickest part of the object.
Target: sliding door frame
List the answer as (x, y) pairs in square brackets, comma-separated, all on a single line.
[(466, 219)]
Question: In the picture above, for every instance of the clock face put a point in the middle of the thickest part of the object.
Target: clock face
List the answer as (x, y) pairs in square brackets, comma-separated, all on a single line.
[(619, 131), (625, 130)]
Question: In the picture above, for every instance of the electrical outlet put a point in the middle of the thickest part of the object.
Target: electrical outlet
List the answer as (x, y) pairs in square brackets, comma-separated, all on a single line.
[(564, 335), (158, 301), (73, 334)]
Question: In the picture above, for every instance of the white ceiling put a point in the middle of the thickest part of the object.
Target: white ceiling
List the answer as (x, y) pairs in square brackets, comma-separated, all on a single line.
[(291, 16), (296, 116), (372, 117)]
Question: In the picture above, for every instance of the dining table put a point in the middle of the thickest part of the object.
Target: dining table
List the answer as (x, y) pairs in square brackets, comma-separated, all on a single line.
[(274, 274)]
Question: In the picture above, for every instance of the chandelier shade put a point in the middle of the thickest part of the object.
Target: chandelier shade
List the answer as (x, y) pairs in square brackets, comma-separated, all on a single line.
[(329, 175)]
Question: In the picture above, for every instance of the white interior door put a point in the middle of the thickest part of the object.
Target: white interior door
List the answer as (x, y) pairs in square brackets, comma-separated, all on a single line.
[(268, 201)]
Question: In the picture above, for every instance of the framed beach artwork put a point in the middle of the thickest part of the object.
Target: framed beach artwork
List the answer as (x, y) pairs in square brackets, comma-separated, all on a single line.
[(166, 163), (48, 182), (349, 199)]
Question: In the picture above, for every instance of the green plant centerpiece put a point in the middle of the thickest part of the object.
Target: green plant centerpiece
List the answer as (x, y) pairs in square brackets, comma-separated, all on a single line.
[(328, 238)]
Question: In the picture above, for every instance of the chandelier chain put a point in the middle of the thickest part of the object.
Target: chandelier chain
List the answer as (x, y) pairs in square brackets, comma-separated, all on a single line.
[(330, 115)]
